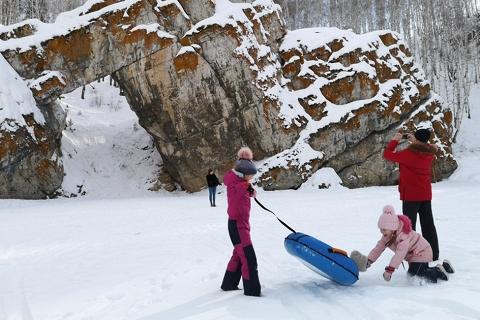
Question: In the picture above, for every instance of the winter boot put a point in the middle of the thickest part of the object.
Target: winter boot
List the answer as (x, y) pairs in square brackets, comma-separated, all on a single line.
[(430, 274), (231, 280), (448, 266), (441, 273)]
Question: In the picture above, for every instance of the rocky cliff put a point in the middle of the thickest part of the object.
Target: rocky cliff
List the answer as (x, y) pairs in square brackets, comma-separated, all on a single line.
[(30, 165), (350, 93), (206, 77)]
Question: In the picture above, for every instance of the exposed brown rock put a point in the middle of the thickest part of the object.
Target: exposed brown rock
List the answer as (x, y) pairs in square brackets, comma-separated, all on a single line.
[(356, 87), (203, 88)]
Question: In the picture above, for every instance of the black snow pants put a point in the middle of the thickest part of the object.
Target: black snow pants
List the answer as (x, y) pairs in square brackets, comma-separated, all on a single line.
[(422, 269), (424, 210)]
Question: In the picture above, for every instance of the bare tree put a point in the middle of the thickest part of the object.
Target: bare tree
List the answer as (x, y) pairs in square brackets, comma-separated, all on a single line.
[(444, 35), (13, 11)]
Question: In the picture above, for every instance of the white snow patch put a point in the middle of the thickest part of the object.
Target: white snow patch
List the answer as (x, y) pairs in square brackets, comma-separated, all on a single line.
[(16, 99), (46, 75), (324, 178), (186, 49), (153, 27)]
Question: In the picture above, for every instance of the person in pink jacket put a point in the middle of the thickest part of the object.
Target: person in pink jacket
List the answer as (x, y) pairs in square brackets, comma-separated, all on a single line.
[(397, 235), (243, 262)]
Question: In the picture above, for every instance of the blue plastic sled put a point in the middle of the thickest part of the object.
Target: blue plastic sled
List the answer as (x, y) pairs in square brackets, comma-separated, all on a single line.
[(322, 258)]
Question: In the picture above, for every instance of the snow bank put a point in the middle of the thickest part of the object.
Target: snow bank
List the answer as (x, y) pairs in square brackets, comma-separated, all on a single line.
[(324, 178)]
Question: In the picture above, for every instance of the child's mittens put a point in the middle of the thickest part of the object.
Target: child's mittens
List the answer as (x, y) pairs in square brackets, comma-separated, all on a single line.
[(360, 260), (387, 275), (251, 191)]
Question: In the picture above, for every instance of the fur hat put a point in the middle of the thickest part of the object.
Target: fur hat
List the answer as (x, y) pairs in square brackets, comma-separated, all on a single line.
[(422, 135), (360, 260), (388, 219)]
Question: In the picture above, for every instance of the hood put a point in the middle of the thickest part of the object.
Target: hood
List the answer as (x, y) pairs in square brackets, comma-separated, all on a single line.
[(423, 148), (405, 225)]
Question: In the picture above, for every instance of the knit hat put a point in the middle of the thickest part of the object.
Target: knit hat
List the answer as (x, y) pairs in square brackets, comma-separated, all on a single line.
[(422, 135), (388, 219), (360, 260), (246, 167)]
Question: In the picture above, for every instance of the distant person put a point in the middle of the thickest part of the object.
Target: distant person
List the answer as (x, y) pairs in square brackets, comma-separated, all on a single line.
[(212, 182), (414, 182), (243, 262), (397, 235)]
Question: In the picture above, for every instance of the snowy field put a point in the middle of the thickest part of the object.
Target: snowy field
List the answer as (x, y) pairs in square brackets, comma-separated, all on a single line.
[(156, 256)]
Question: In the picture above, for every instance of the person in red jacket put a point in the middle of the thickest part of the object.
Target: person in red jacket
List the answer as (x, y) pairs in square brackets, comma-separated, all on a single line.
[(243, 262), (414, 182)]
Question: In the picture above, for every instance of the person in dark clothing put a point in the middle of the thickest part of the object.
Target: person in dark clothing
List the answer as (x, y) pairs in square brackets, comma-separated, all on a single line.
[(212, 182), (414, 182)]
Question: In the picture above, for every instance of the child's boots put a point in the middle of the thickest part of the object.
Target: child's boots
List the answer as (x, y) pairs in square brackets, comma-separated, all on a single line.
[(448, 266), (441, 272)]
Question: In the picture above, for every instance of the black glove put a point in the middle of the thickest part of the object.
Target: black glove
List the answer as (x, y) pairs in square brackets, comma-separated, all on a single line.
[(250, 189)]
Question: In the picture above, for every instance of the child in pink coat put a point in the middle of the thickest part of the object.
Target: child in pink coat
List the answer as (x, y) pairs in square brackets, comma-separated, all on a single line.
[(243, 262), (397, 235)]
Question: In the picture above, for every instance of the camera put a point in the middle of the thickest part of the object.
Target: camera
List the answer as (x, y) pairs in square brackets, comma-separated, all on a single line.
[(405, 136)]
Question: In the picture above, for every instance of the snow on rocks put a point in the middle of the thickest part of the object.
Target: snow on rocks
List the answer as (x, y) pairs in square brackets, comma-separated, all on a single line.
[(89, 42), (16, 99), (206, 77), (340, 89), (29, 162)]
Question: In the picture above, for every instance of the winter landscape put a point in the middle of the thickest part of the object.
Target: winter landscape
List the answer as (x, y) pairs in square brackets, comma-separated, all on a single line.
[(112, 243)]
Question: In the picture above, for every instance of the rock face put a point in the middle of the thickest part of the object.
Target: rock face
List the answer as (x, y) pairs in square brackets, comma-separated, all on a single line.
[(205, 96), (81, 46), (206, 77), (353, 92), (30, 164)]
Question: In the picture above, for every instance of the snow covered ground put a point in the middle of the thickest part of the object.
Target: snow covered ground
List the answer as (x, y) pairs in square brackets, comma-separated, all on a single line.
[(106, 152), (127, 254)]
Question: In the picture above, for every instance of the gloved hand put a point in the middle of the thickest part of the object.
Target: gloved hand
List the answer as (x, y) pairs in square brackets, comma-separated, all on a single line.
[(387, 275), (253, 192)]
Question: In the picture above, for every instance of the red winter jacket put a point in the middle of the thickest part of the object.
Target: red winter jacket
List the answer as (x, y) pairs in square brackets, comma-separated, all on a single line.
[(415, 170)]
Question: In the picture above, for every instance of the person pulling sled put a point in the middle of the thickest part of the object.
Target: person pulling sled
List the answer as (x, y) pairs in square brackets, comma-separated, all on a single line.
[(243, 263)]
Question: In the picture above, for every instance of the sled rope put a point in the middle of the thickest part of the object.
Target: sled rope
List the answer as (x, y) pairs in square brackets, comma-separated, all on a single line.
[(266, 209)]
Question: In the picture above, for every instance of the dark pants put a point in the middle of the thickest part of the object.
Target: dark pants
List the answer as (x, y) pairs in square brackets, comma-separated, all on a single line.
[(424, 210), (422, 269), (243, 263), (211, 195)]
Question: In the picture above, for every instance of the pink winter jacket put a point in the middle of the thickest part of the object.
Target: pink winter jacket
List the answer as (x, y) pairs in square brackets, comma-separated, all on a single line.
[(238, 199), (408, 245)]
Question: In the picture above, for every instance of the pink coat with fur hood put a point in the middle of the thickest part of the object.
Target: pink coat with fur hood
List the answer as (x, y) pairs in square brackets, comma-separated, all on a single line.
[(406, 244)]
